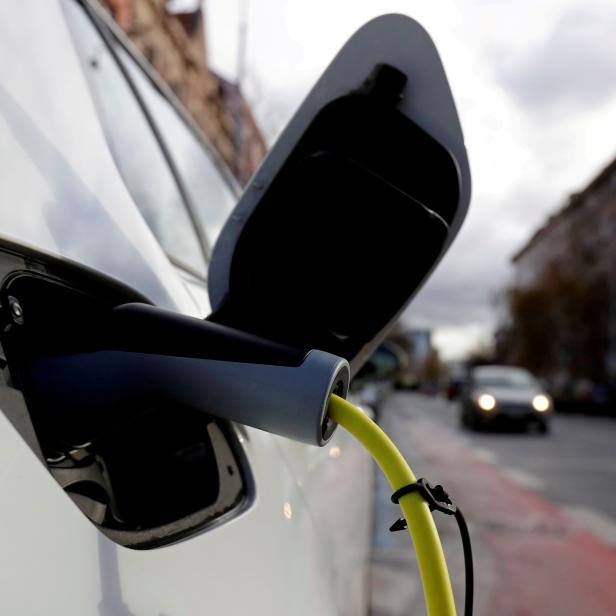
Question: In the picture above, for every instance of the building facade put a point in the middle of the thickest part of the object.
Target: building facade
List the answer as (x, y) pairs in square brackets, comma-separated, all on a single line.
[(563, 304), (581, 234), (175, 45)]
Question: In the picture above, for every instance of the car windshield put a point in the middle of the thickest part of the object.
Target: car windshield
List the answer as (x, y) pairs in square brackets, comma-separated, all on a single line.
[(504, 377)]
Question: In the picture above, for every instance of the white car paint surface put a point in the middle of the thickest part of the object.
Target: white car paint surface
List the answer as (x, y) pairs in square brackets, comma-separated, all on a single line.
[(54, 561), (300, 548)]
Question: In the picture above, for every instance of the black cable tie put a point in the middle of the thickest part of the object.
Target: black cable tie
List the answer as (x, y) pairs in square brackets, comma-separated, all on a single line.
[(436, 497), (438, 500), (399, 524)]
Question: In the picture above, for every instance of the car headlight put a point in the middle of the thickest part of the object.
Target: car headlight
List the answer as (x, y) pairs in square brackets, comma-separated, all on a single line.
[(486, 402), (541, 403)]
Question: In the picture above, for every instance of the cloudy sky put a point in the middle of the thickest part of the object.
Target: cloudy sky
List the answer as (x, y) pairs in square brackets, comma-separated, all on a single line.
[(535, 86)]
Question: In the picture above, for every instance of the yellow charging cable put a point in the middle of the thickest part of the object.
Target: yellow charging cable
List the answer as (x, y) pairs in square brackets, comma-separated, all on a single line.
[(430, 556)]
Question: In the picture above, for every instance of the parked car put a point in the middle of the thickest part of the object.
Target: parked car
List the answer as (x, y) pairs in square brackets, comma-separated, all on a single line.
[(453, 389), (111, 198), (498, 395)]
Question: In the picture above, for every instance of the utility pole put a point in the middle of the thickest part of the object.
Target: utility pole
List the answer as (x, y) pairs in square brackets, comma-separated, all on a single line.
[(241, 41), (239, 78)]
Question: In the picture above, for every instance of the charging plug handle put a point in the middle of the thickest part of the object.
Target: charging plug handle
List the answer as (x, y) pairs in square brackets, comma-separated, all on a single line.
[(144, 354)]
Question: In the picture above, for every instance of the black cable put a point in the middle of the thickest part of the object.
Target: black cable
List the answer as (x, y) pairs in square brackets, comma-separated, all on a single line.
[(468, 563), (438, 500)]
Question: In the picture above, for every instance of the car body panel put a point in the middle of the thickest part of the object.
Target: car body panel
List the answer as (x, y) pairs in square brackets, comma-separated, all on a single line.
[(510, 395), (299, 548), (61, 191), (262, 562)]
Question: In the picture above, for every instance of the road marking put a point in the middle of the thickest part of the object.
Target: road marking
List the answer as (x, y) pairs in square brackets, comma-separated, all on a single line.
[(485, 455), (595, 522), (523, 478)]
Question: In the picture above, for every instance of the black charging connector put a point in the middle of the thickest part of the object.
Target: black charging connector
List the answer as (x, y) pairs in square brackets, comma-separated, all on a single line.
[(140, 353)]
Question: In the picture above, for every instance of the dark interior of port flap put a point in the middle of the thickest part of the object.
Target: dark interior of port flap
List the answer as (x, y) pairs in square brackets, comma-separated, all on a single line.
[(349, 227)]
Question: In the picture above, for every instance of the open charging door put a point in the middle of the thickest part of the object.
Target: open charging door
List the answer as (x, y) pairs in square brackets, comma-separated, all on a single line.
[(355, 204)]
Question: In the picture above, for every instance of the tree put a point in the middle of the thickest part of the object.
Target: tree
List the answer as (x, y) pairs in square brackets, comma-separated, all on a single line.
[(432, 369), (560, 324)]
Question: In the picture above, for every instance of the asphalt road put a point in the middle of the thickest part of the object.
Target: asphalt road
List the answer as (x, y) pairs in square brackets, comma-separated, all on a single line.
[(542, 511)]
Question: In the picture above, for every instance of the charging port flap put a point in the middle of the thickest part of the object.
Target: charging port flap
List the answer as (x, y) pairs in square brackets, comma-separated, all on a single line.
[(146, 472)]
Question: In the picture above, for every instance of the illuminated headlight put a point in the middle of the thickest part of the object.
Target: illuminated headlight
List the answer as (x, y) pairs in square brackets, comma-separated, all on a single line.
[(486, 402), (541, 403)]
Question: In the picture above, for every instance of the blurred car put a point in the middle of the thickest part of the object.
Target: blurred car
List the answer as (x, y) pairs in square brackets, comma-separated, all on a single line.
[(495, 395), (453, 389)]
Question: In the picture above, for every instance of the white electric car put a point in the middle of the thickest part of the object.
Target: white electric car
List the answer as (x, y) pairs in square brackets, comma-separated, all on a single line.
[(109, 196)]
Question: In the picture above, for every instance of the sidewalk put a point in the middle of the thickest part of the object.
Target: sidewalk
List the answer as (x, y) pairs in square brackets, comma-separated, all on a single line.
[(530, 558)]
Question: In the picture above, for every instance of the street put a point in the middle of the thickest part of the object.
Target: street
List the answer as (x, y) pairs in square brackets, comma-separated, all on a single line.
[(541, 511)]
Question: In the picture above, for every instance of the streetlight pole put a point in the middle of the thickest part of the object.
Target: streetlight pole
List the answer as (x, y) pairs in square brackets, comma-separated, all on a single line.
[(239, 78)]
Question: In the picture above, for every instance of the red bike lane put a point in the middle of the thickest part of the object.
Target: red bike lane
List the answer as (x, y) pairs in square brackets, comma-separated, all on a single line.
[(543, 564)]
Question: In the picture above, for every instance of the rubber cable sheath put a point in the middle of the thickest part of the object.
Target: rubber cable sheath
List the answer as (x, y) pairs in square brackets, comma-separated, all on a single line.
[(431, 559)]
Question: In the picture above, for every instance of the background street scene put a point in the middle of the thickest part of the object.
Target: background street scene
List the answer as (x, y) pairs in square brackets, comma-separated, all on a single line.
[(541, 511)]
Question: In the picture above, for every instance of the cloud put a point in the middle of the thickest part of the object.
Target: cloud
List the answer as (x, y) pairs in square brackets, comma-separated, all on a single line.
[(463, 287), (575, 66)]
